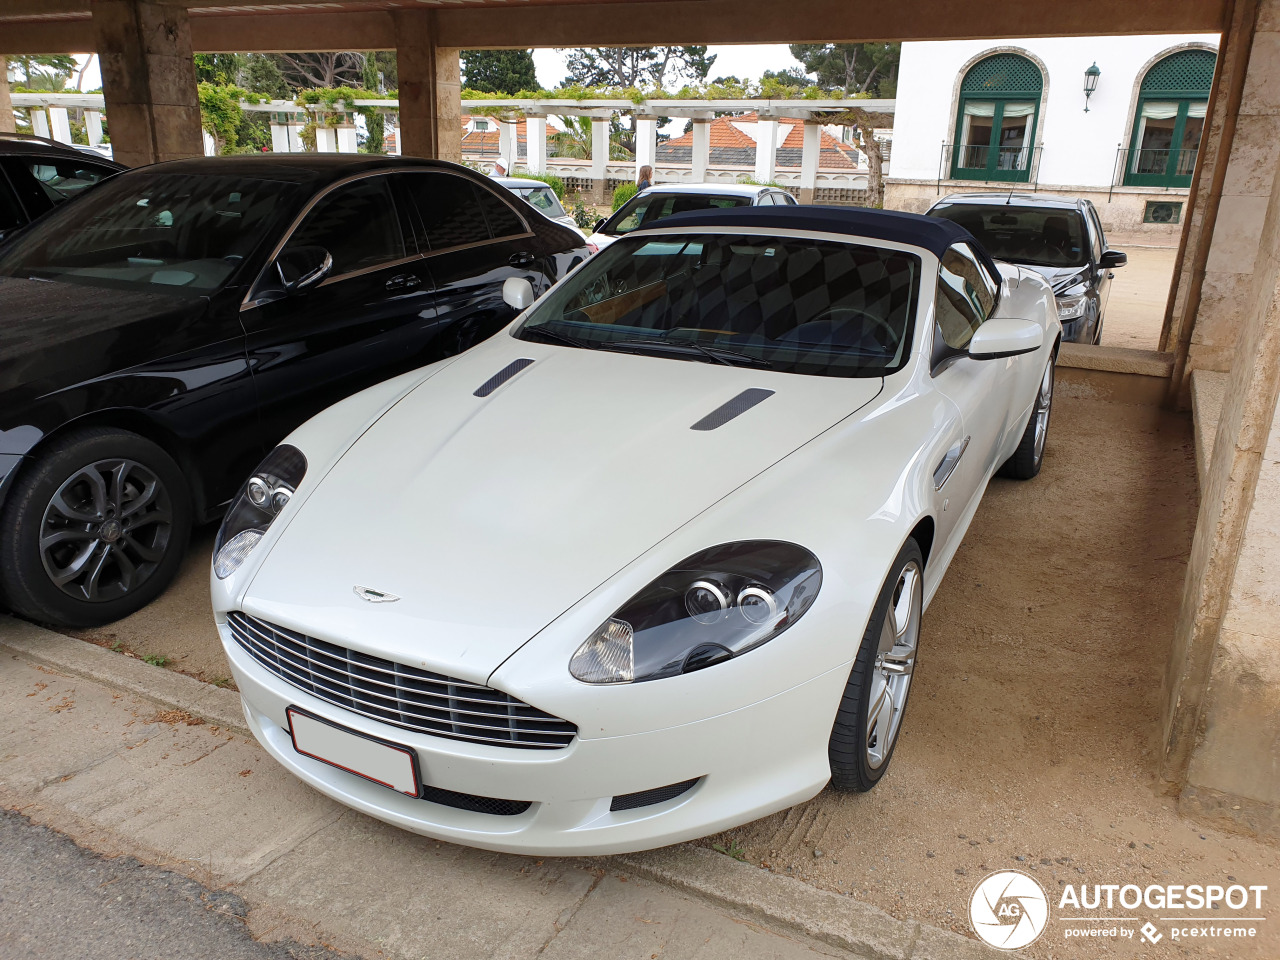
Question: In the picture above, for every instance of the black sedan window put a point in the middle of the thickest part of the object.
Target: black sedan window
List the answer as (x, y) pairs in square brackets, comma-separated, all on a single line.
[(448, 209), (356, 224), (794, 305), (64, 179), (1046, 237), (151, 230), (647, 208)]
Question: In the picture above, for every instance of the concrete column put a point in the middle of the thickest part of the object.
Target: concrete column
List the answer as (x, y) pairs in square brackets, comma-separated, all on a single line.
[(508, 144), (39, 122), (326, 139), (766, 150), (148, 80), (430, 89), (536, 144), (280, 138), (646, 142), (7, 122), (701, 149), (347, 141), (60, 124), (599, 157), (93, 126), (809, 155)]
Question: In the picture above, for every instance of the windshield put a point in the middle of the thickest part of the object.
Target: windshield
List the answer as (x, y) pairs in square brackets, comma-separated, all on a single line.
[(813, 307), (544, 198), (644, 209), (1043, 237), (173, 231)]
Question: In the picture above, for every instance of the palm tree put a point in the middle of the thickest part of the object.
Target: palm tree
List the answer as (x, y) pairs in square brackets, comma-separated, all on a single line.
[(574, 141)]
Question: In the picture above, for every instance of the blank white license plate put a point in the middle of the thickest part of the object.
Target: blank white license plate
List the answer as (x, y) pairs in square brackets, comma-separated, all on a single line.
[(383, 763)]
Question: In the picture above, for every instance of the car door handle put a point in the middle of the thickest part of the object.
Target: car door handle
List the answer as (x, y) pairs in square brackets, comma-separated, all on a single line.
[(521, 258), (948, 463), (403, 281)]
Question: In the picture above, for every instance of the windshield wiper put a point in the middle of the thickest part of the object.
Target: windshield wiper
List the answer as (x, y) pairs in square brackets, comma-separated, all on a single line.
[(730, 358), (564, 338)]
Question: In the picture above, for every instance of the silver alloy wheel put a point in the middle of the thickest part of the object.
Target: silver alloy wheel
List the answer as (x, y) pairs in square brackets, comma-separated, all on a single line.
[(1044, 400), (105, 530), (894, 664)]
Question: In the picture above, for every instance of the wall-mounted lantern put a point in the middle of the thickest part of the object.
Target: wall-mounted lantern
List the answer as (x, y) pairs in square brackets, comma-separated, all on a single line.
[(1090, 84)]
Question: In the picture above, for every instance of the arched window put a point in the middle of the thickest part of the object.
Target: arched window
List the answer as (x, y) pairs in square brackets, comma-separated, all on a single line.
[(1169, 120), (996, 120)]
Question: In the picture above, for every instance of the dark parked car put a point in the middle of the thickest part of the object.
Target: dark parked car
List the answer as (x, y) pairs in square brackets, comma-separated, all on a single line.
[(162, 334), (37, 175), (1061, 238)]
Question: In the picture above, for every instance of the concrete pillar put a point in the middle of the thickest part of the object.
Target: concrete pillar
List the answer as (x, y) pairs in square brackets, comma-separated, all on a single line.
[(93, 126), (7, 122), (599, 157), (280, 138), (430, 89), (701, 149), (766, 150), (148, 80), (326, 139), (60, 124), (508, 144), (646, 142), (39, 122), (535, 151), (347, 141), (809, 155)]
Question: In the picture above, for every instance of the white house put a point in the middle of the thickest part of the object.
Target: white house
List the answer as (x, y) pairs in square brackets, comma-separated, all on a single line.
[(979, 115)]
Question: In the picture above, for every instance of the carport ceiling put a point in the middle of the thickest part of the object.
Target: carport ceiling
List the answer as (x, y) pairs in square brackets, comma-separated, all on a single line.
[(51, 26)]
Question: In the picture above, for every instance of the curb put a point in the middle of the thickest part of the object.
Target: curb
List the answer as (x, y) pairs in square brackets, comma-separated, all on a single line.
[(784, 902)]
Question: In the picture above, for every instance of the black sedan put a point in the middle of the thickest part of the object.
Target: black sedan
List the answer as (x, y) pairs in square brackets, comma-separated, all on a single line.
[(37, 175), (162, 333), (1060, 238)]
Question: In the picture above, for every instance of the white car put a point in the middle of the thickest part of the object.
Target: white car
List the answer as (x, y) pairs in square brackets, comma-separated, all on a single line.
[(652, 562), (653, 203), (541, 197)]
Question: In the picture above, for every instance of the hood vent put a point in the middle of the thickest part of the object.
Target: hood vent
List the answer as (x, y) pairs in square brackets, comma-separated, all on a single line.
[(502, 376), (732, 408)]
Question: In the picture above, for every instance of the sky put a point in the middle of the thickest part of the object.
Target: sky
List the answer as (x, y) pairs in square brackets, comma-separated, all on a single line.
[(747, 62)]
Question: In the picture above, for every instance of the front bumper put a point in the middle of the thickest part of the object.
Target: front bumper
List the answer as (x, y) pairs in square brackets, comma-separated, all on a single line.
[(750, 762)]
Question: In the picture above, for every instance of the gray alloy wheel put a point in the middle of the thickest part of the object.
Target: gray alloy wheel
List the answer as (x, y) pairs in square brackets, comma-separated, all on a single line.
[(105, 530), (1029, 457)]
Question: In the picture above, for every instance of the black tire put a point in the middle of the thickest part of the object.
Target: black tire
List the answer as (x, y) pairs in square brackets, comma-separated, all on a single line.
[(852, 770), (116, 534), (1029, 457)]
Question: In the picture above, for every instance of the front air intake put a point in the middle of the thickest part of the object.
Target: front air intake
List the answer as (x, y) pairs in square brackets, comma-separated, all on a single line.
[(648, 798)]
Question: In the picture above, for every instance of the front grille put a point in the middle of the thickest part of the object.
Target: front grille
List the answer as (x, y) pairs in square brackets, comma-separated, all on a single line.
[(647, 798), (397, 694), (468, 801)]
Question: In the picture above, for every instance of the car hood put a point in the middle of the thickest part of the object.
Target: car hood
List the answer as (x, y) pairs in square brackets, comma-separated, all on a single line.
[(490, 516), (1060, 278), (53, 334)]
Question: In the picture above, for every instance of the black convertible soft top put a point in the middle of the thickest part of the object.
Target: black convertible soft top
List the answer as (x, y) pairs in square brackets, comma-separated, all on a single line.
[(932, 233)]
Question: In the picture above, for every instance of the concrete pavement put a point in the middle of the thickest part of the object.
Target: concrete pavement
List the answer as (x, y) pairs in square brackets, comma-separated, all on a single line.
[(128, 758)]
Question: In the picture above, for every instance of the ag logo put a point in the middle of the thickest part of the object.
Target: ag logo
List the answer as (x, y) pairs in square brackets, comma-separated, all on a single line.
[(1009, 910)]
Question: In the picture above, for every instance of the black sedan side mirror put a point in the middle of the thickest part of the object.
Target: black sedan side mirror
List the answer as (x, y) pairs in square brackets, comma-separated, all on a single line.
[(1113, 258), (301, 267), (595, 227)]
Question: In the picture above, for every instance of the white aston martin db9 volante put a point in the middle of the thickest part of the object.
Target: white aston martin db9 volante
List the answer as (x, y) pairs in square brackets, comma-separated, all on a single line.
[(652, 562)]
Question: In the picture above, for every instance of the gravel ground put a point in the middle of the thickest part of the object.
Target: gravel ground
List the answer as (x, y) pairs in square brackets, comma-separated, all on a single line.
[(58, 901)]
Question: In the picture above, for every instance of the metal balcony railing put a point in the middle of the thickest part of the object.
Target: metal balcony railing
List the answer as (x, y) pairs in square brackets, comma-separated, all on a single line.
[(970, 161), (1152, 167)]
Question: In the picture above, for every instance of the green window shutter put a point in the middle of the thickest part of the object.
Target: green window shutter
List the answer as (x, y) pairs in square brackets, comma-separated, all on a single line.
[(1004, 75), (1188, 73)]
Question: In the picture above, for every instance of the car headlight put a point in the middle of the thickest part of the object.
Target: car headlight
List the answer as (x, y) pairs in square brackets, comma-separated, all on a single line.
[(259, 502), (712, 606), (1072, 307)]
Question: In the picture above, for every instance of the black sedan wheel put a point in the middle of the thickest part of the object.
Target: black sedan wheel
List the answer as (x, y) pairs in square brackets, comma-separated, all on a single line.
[(99, 525)]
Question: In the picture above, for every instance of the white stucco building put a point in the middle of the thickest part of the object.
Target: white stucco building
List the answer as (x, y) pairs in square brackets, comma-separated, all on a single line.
[(978, 115)]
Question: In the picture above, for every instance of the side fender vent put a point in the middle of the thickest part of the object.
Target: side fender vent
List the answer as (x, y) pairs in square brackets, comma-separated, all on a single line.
[(502, 376), (732, 408)]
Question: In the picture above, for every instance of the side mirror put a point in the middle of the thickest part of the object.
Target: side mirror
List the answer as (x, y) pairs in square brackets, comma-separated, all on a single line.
[(595, 227), (517, 292), (1006, 337), (302, 267), (1113, 258)]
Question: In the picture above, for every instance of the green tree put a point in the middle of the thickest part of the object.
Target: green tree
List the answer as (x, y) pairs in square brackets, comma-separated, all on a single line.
[(262, 75), (640, 67), (381, 72), (322, 70), (220, 69), (853, 67), (499, 71), (33, 66)]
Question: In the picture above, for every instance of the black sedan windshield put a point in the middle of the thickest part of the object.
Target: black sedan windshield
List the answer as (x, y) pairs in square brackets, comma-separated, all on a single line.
[(803, 306), (1046, 237), (151, 231), (646, 208)]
